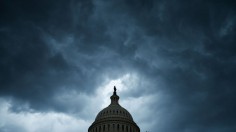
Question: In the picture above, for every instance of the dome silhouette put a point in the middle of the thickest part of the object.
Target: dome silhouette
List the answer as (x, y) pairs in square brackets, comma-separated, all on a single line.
[(114, 118)]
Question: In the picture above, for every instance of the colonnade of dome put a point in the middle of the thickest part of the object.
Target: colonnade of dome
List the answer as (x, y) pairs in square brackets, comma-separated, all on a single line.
[(114, 127)]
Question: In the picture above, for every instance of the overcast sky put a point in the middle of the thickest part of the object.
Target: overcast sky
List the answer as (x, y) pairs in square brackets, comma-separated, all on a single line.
[(173, 63)]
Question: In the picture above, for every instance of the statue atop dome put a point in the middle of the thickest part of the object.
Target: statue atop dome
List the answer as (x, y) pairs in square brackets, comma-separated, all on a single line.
[(114, 88), (114, 93), (114, 97)]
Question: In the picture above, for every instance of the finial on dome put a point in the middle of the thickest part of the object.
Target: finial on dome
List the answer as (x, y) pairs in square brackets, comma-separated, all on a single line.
[(114, 97), (114, 90)]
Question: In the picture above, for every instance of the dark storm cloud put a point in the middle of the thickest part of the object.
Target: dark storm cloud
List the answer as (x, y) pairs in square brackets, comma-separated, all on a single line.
[(184, 49), (30, 70), (199, 72)]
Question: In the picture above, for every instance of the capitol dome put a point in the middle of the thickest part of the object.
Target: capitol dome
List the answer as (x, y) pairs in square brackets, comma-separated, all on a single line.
[(114, 118)]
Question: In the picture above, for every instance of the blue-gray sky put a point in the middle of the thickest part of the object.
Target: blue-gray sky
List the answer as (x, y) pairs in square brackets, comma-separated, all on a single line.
[(173, 60)]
